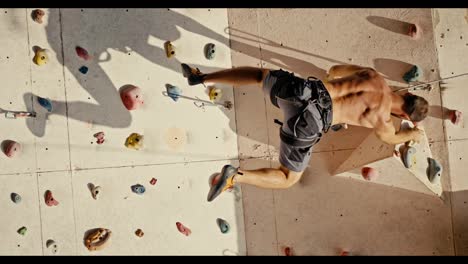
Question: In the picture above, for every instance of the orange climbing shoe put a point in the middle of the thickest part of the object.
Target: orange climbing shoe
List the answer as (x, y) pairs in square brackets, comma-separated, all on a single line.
[(225, 182)]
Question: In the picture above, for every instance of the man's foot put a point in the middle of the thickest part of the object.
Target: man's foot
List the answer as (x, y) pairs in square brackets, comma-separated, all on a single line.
[(224, 182), (194, 76)]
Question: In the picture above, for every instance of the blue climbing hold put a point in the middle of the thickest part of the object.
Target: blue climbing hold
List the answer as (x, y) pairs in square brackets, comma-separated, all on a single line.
[(173, 92), (223, 225), (83, 69), (413, 74), (138, 189), (434, 171), (45, 103), (210, 50), (16, 198)]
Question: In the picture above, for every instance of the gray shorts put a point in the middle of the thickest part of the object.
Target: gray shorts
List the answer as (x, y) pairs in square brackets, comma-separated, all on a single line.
[(292, 157)]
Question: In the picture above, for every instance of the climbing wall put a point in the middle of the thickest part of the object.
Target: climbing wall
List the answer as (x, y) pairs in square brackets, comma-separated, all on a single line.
[(322, 214), (61, 159), (451, 38)]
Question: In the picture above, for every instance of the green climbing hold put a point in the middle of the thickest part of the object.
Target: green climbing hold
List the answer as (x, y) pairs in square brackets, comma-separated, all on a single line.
[(223, 225), (413, 74), (22, 231)]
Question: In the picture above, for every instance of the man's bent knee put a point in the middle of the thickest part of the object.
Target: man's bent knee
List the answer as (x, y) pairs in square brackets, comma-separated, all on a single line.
[(292, 177)]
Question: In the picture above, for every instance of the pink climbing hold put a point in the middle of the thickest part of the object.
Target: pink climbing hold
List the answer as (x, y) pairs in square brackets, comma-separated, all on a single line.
[(287, 251), (456, 117), (99, 137), (345, 253), (49, 199), (415, 31), (183, 229), (82, 53), (12, 148), (369, 173), (131, 97)]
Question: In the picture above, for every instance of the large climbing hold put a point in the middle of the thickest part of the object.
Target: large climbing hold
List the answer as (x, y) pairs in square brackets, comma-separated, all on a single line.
[(11, 148), (413, 74), (82, 53), (132, 97), (434, 171), (97, 238), (138, 189), (52, 246), (16, 198), (215, 94), (134, 141)]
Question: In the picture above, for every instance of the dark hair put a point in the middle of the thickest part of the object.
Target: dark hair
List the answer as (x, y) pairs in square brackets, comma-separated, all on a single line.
[(415, 107)]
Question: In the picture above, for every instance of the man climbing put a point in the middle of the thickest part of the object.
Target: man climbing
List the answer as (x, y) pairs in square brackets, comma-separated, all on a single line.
[(350, 94)]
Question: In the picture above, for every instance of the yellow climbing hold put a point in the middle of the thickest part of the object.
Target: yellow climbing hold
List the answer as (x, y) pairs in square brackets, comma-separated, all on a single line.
[(134, 141)]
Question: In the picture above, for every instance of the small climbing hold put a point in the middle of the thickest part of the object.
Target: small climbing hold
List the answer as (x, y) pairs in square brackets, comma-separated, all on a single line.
[(183, 229), (414, 31), (456, 117), (173, 92), (210, 51), (153, 181), (95, 191), (41, 57), (396, 153), (97, 238), (434, 171), (16, 198), (22, 231), (223, 225), (170, 50), (37, 15), (12, 148), (413, 74), (409, 157), (369, 173), (138, 189), (99, 137), (49, 199), (132, 97), (338, 127), (215, 94), (46, 103), (82, 53), (139, 233), (345, 253), (83, 69), (287, 251), (134, 141), (52, 246)]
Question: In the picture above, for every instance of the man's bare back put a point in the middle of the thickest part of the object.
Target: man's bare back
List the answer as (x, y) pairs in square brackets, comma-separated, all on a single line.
[(361, 97)]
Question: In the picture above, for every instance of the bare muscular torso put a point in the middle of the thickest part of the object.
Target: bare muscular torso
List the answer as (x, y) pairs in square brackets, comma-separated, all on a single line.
[(363, 99)]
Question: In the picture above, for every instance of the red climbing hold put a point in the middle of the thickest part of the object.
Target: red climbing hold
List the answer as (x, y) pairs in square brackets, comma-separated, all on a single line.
[(456, 117), (369, 173), (287, 251), (131, 97), (49, 199), (99, 137), (415, 31), (11, 148), (82, 53), (153, 181), (183, 229), (345, 253)]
